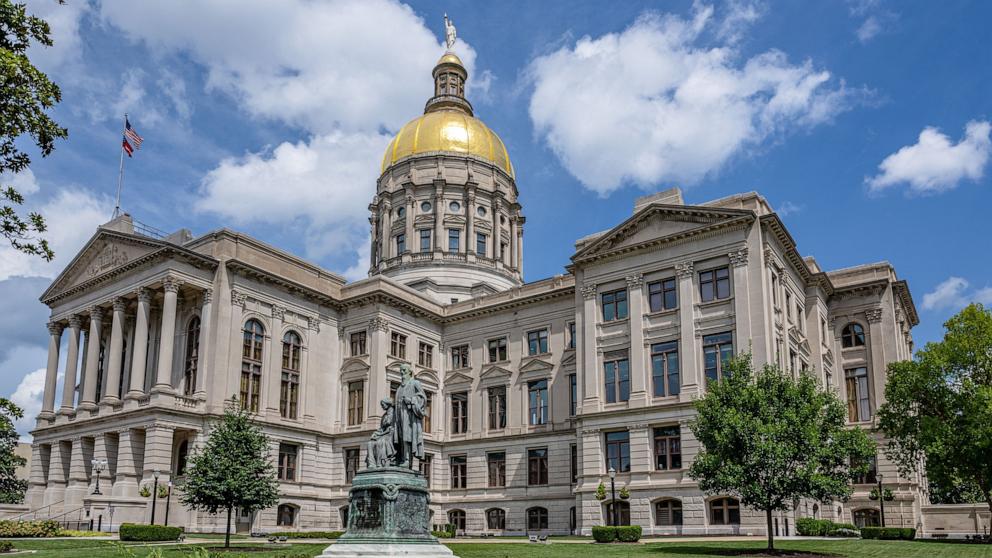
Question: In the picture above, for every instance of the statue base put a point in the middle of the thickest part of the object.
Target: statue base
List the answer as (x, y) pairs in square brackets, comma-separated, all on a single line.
[(388, 515)]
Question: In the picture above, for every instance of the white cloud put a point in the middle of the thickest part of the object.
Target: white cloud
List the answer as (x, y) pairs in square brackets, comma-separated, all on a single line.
[(933, 164), (954, 293), (64, 20), (28, 396), (875, 18), (788, 208), (868, 29), (654, 104)]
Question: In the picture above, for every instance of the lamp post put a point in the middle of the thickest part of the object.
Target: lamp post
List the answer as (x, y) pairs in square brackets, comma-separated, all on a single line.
[(154, 494), (613, 494), (881, 499), (168, 499), (99, 466)]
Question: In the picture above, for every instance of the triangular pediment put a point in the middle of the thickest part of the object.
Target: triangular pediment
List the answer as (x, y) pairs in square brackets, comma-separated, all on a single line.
[(658, 223), (454, 220), (493, 371), (568, 360), (455, 378), (105, 253), (536, 364), (355, 365)]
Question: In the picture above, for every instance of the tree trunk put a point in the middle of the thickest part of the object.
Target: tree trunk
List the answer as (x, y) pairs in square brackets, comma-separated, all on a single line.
[(227, 533), (771, 534)]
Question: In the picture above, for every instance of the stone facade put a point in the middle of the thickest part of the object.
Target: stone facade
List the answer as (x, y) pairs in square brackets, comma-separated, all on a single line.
[(536, 389)]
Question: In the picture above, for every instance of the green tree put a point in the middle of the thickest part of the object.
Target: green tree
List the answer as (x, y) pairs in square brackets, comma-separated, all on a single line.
[(938, 409), (770, 439), (232, 470), (26, 94), (11, 488)]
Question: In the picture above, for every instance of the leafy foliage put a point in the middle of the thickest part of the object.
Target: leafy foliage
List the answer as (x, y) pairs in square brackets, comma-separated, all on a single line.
[(11, 488), (624, 533), (812, 527), (33, 529), (888, 533), (26, 94), (770, 439), (232, 470), (148, 533), (938, 408)]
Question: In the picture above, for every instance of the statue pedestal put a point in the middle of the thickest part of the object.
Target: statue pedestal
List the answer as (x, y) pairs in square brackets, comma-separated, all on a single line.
[(388, 515)]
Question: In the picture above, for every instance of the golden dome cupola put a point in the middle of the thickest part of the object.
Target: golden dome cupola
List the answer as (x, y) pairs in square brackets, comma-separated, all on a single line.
[(450, 76)]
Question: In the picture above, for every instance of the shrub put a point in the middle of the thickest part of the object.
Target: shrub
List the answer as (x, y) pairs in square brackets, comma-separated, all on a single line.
[(888, 533), (629, 533), (604, 534), (46, 528), (810, 527), (308, 534), (443, 534), (907, 533), (6, 546), (82, 534), (149, 533), (626, 533), (845, 532)]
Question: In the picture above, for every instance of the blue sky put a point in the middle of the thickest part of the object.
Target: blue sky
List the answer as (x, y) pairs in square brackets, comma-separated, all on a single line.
[(865, 123)]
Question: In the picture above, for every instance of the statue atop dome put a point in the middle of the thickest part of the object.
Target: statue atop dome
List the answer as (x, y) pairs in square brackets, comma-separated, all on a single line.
[(450, 33)]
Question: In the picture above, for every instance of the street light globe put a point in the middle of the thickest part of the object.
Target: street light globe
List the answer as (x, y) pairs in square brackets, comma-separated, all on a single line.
[(613, 472)]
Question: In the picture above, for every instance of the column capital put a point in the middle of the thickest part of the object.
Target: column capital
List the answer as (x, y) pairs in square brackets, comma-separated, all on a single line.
[(171, 283), (96, 313), (589, 291), (873, 315), (208, 296), (313, 324), (683, 269), (238, 298), (378, 324), (144, 295), (278, 312), (75, 321), (120, 304), (635, 281), (55, 328), (738, 257)]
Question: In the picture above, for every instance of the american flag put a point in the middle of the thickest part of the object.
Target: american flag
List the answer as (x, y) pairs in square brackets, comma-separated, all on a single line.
[(130, 134)]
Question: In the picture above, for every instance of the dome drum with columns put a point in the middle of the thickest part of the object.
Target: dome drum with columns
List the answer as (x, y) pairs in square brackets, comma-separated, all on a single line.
[(445, 219)]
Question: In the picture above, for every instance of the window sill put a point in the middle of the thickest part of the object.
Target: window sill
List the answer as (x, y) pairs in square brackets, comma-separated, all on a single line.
[(714, 302), (662, 313), (615, 321)]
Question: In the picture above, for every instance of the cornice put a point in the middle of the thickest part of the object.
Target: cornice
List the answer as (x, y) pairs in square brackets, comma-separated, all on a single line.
[(776, 227)]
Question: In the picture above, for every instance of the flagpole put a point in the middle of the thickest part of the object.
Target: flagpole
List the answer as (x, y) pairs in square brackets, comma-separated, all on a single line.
[(120, 177)]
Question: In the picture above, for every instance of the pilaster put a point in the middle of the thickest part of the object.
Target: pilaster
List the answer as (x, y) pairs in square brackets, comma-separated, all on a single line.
[(89, 396), (129, 447), (139, 355), (114, 359), (590, 364), (203, 350), (157, 454), (638, 367), (742, 298), (71, 367), (272, 380), (37, 481), (689, 361), (163, 377), (78, 473), (57, 461)]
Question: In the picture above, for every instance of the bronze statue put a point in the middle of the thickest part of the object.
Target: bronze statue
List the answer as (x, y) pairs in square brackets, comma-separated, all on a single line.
[(380, 451), (410, 406)]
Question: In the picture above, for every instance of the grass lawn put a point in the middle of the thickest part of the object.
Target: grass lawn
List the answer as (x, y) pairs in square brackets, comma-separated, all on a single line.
[(666, 549)]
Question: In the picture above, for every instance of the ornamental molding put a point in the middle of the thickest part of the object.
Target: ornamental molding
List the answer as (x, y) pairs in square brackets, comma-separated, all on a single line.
[(111, 257), (144, 295), (589, 291), (75, 321), (55, 328), (96, 314), (120, 304), (635, 281), (278, 312), (238, 298), (313, 324), (172, 283), (683, 269), (208, 296), (874, 315), (738, 258), (378, 323)]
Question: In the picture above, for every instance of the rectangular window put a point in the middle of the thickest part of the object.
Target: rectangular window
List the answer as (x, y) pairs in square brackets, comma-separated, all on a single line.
[(351, 462), (871, 475), (425, 467), (573, 395), (574, 463), (459, 357), (774, 290), (497, 468), (497, 407), (793, 357), (858, 407), (717, 351), (537, 342), (356, 400), (459, 471), (503, 252), (425, 240), (571, 335), (714, 284), (665, 368), (537, 466), (667, 448), (823, 331), (397, 345), (358, 343), (454, 240), (616, 376), (497, 350), (663, 295), (614, 305), (459, 413), (400, 244), (286, 470), (428, 411), (481, 242), (618, 451), (537, 395), (425, 355), (788, 306)]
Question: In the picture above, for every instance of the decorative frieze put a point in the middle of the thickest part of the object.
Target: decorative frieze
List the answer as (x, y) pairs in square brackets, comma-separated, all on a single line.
[(378, 323), (874, 315), (738, 257), (635, 281), (588, 291), (278, 312), (683, 269)]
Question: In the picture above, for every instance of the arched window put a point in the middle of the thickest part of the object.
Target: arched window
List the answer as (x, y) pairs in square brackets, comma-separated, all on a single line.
[(868, 517), (853, 335), (668, 512), (192, 355), (289, 393), (537, 519), (285, 515), (457, 518), (251, 365), (182, 454), (725, 511), (495, 519), (622, 509)]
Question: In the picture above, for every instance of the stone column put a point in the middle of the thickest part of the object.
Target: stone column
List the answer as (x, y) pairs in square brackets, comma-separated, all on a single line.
[(114, 360), (272, 379), (877, 361), (470, 221), (206, 322), (36, 480), (89, 397), (377, 387), (497, 237), (440, 242), (386, 234), (128, 446), (742, 302), (56, 475), (78, 479), (411, 243), (52, 372), (374, 251), (638, 366), (139, 356), (71, 366), (163, 381), (100, 452), (690, 372), (158, 454), (519, 240), (513, 242), (590, 363)]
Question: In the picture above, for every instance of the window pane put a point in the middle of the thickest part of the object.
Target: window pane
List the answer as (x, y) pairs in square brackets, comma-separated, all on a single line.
[(673, 373), (624, 369), (610, 381)]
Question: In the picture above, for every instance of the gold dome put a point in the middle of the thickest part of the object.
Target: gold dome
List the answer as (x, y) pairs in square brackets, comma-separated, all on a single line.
[(451, 131), (450, 58)]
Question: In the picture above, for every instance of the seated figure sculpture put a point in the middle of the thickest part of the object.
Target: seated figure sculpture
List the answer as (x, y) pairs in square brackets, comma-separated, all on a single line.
[(380, 450)]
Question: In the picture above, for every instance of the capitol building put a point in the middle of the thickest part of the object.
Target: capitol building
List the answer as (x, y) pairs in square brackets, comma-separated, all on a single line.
[(536, 390)]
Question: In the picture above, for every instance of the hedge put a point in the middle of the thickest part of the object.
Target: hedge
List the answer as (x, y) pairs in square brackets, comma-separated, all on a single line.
[(149, 533), (308, 534), (888, 533), (6, 546), (811, 527), (625, 533), (45, 528)]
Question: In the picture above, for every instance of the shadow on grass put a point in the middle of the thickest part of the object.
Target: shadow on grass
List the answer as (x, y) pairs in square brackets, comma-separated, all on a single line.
[(756, 552)]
